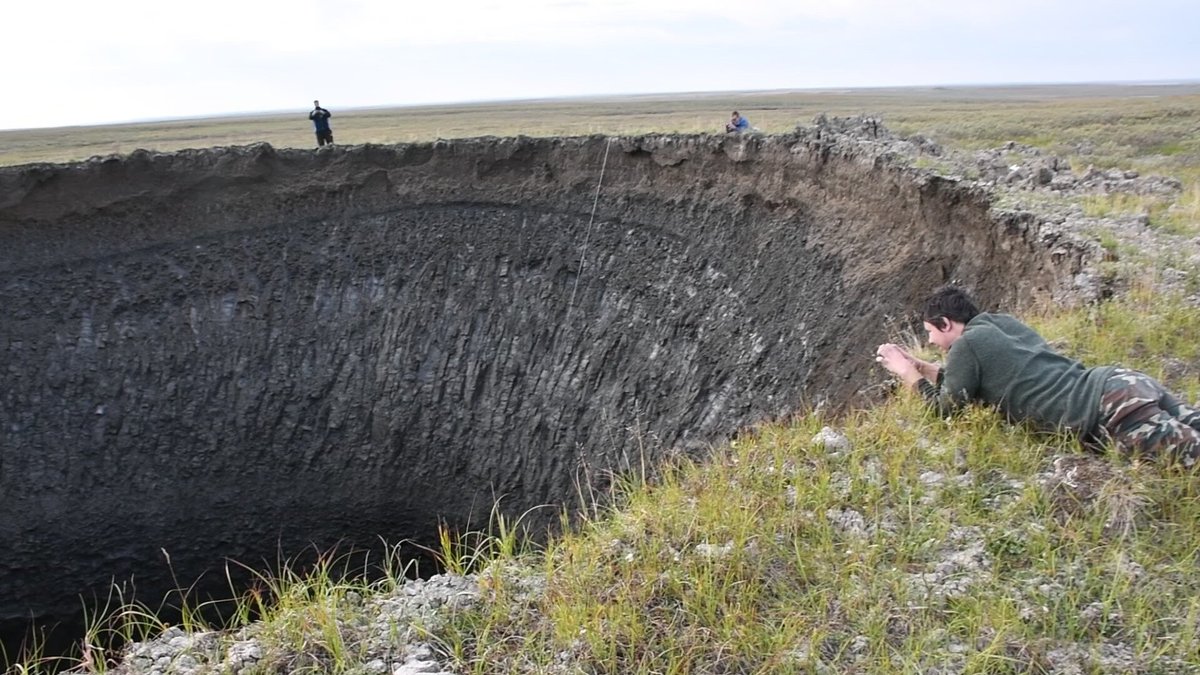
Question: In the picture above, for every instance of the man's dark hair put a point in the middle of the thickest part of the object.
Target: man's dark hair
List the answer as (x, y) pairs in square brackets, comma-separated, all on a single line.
[(949, 302)]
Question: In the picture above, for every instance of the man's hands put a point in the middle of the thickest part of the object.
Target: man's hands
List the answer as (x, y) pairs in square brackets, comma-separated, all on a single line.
[(905, 366)]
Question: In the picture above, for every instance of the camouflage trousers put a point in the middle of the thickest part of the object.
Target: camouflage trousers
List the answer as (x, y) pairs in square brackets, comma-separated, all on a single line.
[(1143, 419)]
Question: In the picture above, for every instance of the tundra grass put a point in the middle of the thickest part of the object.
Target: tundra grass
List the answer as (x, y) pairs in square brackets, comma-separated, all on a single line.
[(1109, 124), (1150, 129), (921, 545)]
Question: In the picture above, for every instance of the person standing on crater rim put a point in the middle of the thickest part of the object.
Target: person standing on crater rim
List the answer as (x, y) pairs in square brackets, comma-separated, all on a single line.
[(996, 360), (320, 119)]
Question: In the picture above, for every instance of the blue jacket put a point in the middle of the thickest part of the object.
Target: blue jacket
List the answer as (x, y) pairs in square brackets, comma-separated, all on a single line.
[(320, 119)]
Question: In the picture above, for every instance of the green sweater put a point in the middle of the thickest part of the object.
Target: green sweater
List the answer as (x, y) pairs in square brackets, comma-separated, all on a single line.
[(1000, 361)]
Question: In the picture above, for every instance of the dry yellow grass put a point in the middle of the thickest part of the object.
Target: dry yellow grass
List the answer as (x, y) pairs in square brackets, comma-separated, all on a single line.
[(975, 116)]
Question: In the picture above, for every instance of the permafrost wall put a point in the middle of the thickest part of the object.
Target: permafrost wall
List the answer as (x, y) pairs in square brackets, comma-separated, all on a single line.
[(233, 352)]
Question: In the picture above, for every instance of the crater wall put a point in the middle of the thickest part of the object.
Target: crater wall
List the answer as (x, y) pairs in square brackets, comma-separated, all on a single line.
[(233, 352)]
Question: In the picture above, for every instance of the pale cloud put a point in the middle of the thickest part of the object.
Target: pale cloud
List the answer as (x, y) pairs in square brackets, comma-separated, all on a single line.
[(73, 27), (536, 21), (69, 59)]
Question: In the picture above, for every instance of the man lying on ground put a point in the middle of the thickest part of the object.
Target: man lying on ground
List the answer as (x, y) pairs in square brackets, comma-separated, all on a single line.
[(996, 360)]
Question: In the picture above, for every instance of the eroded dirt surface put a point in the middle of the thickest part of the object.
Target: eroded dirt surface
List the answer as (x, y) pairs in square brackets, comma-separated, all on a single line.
[(231, 352)]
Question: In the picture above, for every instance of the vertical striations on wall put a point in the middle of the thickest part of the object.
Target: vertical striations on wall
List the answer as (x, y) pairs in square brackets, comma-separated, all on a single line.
[(232, 352)]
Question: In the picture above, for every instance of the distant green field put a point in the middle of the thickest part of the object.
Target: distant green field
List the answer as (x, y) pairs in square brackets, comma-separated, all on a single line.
[(1121, 121), (1150, 128)]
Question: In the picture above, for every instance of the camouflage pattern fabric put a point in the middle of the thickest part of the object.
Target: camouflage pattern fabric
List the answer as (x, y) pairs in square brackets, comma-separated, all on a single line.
[(1144, 420)]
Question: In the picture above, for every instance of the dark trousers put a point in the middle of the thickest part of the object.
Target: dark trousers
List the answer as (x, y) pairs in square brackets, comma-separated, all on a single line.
[(324, 137), (1144, 419)]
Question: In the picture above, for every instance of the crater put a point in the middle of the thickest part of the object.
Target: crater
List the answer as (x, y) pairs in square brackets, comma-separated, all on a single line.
[(236, 352)]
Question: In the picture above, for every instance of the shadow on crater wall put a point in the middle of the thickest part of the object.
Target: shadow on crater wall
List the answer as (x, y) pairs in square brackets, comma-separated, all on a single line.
[(229, 352)]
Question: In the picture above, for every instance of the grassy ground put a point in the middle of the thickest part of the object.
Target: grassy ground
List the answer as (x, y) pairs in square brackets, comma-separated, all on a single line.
[(1151, 129), (919, 545), (1122, 122), (896, 542)]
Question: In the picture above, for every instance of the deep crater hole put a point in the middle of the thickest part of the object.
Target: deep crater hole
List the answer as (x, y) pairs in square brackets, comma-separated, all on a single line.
[(244, 353)]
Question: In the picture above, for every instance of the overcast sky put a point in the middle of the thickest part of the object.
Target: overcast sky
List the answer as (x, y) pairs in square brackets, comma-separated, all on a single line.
[(90, 62)]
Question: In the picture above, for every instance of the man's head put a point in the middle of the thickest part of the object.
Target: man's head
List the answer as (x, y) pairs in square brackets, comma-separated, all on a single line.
[(735, 115), (316, 104), (946, 313)]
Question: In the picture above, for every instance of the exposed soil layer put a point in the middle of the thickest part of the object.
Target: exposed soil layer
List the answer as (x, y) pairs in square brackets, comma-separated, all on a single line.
[(231, 352)]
